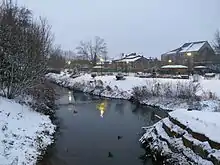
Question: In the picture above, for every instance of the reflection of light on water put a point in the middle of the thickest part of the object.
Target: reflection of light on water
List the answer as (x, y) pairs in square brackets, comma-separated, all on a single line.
[(70, 98), (102, 108), (102, 113)]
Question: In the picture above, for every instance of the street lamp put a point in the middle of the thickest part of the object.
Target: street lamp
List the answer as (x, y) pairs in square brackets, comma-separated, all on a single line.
[(68, 62), (169, 61), (127, 63), (189, 54)]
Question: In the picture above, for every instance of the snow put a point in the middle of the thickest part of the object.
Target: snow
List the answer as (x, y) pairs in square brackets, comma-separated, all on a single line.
[(193, 47), (174, 67), (97, 67), (200, 67), (172, 52), (211, 86), (123, 89), (23, 133), (130, 59), (196, 47), (185, 49), (205, 122), (202, 122), (180, 152)]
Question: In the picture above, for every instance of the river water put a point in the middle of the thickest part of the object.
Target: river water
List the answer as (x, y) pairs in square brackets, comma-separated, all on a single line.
[(98, 131)]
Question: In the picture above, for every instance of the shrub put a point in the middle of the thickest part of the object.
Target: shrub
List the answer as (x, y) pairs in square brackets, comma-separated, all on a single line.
[(44, 97), (155, 88)]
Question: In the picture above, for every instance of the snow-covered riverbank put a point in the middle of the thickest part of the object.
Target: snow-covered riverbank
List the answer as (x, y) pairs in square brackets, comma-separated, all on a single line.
[(24, 133), (179, 145), (186, 137), (107, 86)]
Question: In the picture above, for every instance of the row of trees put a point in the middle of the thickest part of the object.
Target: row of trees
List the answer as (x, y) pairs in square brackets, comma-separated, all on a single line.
[(91, 51), (25, 45)]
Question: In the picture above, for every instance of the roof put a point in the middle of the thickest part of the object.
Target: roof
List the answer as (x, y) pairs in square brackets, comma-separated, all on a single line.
[(174, 67), (188, 47), (97, 67), (200, 67), (129, 58)]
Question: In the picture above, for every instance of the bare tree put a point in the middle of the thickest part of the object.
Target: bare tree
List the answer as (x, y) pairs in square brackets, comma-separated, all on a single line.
[(24, 49), (56, 59), (217, 41), (93, 50)]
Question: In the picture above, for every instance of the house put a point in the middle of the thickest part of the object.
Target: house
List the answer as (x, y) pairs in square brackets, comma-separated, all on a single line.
[(190, 54), (134, 63)]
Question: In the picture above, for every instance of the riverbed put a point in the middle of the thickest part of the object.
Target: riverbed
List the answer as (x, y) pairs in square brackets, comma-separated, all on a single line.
[(94, 130)]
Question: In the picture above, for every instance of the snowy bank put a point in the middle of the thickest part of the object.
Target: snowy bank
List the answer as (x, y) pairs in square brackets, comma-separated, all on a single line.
[(24, 133), (168, 94), (186, 137)]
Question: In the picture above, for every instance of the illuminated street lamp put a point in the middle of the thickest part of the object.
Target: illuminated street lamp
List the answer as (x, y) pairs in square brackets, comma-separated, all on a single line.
[(127, 66), (170, 61), (189, 54), (69, 62)]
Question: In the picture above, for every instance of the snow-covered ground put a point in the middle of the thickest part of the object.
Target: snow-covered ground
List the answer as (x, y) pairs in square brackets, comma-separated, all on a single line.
[(123, 89), (180, 144), (205, 122), (23, 133)]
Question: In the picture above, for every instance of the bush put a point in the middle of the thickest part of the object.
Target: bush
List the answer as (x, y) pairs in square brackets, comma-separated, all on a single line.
[(44, 97), (155, 88)]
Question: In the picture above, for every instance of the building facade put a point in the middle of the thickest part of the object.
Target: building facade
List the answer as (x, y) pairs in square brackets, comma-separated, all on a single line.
[(135, 63), (192, 53)]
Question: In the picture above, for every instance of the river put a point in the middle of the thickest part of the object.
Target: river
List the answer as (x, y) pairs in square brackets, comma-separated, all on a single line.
[(98, 131)]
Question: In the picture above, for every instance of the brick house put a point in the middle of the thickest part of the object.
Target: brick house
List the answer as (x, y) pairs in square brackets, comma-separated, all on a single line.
[(190, 54), (134, 63)]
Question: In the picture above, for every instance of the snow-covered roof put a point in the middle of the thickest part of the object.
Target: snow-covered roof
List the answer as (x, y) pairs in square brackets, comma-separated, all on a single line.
[(130, 59), (174, 67), (200, 67), (97, 67), (193, 47), (188, 47), (172, 52)]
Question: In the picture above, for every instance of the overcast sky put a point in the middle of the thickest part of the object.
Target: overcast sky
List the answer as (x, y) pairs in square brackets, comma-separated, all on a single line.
[(150, 27)]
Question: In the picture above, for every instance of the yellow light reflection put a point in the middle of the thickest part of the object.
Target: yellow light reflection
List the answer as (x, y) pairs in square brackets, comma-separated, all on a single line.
[(102, 108), (70, 96)]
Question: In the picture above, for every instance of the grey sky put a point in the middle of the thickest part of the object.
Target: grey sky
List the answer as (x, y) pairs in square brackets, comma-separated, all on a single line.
[(150, 27)]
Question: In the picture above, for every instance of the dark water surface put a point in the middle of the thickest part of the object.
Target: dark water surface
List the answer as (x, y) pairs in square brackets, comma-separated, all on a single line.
[(97, 131)]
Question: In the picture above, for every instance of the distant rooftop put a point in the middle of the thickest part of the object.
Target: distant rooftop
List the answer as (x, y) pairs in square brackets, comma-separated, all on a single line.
[(129, 58), (188, 47)]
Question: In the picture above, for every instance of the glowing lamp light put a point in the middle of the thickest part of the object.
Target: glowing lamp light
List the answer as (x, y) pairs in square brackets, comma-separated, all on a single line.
[(189, 54)]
